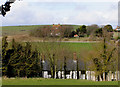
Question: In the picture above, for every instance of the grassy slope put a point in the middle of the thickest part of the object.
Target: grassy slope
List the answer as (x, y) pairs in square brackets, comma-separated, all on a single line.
[(72, 46), (40, 81), (14, 30)]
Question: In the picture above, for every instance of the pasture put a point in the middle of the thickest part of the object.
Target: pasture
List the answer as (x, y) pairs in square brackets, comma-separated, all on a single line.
[(42, 81), (20, 30), (71, 46), (17, 30)]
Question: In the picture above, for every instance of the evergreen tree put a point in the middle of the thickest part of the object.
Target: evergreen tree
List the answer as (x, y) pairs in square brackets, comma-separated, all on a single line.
[(4, 52)]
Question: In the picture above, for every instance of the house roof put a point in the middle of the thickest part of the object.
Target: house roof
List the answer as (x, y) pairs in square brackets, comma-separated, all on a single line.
[(70, 65)]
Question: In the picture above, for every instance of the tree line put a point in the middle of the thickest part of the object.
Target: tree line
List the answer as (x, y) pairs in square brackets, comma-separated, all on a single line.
[(68, 31)]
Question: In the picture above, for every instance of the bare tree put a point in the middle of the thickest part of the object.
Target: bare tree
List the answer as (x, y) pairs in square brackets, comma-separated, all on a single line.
[(103, 56), (66, 30)]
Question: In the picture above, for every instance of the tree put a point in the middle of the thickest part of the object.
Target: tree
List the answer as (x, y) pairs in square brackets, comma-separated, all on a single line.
[(81, 31), (72, 34), (99, 32), (91, 29), (56, 55), (77, 68), (109, 28), (65, 67), (65, 30), (103, 57), (109, 50), (19, 60), (43, 31), (4, 58), (48, 51)]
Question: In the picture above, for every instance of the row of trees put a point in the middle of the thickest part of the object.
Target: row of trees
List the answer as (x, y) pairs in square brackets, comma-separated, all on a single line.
[(69, 31), (50, 31), (94, 30)]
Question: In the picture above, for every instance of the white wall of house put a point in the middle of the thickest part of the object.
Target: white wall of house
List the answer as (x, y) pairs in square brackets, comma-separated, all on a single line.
[(49, 76), (93, 76), (74, 74), (59, 74), (79, 74), (89, 74), (63, 75), (45, 74), (109, 76), (71, 74)]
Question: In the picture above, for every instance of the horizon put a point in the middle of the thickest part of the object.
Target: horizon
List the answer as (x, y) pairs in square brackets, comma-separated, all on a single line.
[(57, 24)]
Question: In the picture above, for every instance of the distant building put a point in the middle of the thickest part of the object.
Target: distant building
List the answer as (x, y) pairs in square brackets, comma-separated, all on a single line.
[(76, 35), (117, 29), (55, 30)]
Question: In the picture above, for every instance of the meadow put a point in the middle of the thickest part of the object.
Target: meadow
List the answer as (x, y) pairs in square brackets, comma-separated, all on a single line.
[(18, 30), (42, 81), (72, 46)]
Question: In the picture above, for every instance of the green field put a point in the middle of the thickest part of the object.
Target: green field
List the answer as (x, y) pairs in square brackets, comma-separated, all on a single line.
[(41, 81), (70, 45), (15, 30)]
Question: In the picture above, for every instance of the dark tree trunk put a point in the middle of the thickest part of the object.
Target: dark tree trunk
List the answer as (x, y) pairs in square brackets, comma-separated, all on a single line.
[(56, 74), (77, 69), (98, 78), (72, 74), (61, 74), (41, 68), (53, 74), (53, 66), (65, 67)]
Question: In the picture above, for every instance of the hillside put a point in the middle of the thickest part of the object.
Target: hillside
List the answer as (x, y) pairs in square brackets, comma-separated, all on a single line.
[(21, 33), (20, 30)]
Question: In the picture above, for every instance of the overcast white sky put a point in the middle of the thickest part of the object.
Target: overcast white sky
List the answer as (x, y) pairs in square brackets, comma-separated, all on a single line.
[(63, 11)]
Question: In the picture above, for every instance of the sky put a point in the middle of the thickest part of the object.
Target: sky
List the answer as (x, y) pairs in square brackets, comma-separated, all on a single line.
[(77, 12)]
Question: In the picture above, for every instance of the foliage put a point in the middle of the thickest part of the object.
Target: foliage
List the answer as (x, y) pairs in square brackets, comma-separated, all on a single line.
[(66, 31), (4, 54), (91, 29), (81, 31), (99, 32), (104, 56), (44, 31), (20, 60), (109, 28)]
